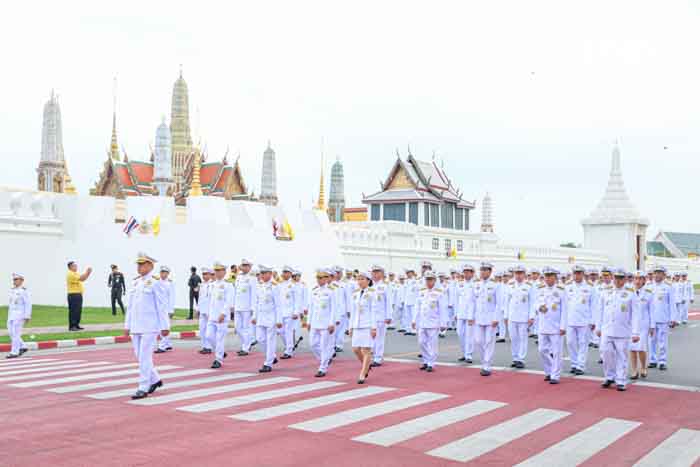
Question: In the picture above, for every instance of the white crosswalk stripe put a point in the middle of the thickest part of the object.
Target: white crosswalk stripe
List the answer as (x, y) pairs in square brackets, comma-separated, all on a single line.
[(45, 367), (348, 417), (87, 377), (25, 361), (97, 366), (485, 441), (681, 449), (578, 448), (419, 426), (123, 381), (168, 385), (261, 396), (308, 404), (211, 391)]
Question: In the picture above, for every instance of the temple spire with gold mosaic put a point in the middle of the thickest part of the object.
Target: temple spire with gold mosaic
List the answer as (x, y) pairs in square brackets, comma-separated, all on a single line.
[(180, 136)]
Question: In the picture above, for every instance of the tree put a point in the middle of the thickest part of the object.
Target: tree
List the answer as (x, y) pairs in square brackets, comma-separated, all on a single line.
[(569, 245)]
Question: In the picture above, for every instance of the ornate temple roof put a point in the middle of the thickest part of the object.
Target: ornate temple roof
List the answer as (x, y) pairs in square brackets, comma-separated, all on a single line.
[(414, 180), (616, 206)]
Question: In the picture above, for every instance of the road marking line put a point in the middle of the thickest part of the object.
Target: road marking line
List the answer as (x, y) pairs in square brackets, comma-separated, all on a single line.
[(408, 360), (95, 366), (122, 381), (677, 387), (26, 361), (578, 448), (348, 417), (211, 391), (485, 441), (681, 449), (89, 376), (419, 426), (308, 404), (171, 385), (261, 396), (43, 367)]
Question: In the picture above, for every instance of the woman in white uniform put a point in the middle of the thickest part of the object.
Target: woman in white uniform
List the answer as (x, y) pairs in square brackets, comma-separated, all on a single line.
[(642, 313), (363, 323)]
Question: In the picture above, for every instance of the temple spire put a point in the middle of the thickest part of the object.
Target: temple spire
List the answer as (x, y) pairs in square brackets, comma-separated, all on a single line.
[(321, 191), (114, 146), (68, 187), (196, 188), (487, 214)]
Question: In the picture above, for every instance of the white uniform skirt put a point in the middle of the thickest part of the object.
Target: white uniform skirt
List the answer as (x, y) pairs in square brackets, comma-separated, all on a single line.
[(362, 338), (643, 344)]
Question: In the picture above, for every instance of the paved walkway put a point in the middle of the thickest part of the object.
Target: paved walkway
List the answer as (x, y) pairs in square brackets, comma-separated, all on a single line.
[(90, 327)]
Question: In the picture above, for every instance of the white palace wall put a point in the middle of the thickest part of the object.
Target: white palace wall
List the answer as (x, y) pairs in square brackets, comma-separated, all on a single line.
[(41, 232)]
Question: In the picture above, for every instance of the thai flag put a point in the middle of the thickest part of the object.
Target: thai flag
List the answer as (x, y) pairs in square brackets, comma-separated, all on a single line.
[(131, 225)]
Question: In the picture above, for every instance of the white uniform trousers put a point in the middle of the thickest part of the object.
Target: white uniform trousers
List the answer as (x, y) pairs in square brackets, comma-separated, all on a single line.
[(466, 338), (241, 320), (594, 339), (322, 347), (450, 317), (216, 332), (378, 350), (658, 344), (485, 340), (577, 342), (399, 320), (164, 342), (203, 339), (518, 340), (502, 329), (615, 353), (550, 346), (144, 344), (684, 311), (267, 336), (14, 328), (428, 340), (340, 331), (287, 334), (407, 317)]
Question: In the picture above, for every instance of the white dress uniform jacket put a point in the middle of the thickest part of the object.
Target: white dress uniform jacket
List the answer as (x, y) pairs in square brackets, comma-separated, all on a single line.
[(246, 286), (616, 317), (147, 307), (322, 308), (432, 308), (519, 302), (19, 305), (580, 300), (550, 303), (663, 306), (220, 300), (287, 294), (362, 309), (267, 307), (487, 303)]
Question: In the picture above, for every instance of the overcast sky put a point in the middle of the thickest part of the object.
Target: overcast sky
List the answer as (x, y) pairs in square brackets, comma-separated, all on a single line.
[(522, 99)]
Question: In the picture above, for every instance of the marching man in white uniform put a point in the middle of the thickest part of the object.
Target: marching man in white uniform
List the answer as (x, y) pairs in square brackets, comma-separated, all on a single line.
[(322, 314), (550, 303), (664, 314), (465, 308), (288, 292), (485, 316), (411, 289), (382, 312), (432, 313), (267, 316), (617, 324), (146, 317), (19, 312), (203, 310), (581, 297), (220, 307), (167, 284), (520, 315), (244, 297)]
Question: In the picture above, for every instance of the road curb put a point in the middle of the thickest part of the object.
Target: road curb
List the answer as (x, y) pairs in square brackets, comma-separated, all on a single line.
[(103, 340)]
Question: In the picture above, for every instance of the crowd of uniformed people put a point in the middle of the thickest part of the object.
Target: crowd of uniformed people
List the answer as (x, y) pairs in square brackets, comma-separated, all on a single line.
[(627, 316)]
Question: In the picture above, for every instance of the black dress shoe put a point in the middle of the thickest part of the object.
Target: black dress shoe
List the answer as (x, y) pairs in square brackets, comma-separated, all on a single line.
[(607, 383), (203, 351), (390, 328), (338, 349), (652, 365), (600, 361), (513, 365), (154, 386), (402, 331), (265, 369), (420, 355), (216, 364), (334, 355), (73, 329), (485, 372), (554, 381), (360, 381), (520, 365), (320, 374), (160, 351), (461, 359), (168, 349), (242, 353), (11, 355), (375, 364), (500, 341), (470, 361), (663, 367), (139, 395), (80, 328), (572, 371), (429, 369), (275, 361), (423, 367), (596, 346), (547, 378), (23, 350), (285, 357), (579, 372), (253, 343), (621, 387)]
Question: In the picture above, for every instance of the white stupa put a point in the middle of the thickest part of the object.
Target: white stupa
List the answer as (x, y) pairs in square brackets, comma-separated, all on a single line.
[(615, 226)]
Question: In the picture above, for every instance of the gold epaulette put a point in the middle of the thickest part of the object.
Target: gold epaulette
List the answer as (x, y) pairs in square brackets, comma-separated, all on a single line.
[(560, 287), (540, 286)]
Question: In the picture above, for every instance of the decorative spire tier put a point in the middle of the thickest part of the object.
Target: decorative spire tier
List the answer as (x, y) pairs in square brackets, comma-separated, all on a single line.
[(181, 139), (336, 197), (487, 214), (52, 167), (268, 186), (196, 189), (321, 205)]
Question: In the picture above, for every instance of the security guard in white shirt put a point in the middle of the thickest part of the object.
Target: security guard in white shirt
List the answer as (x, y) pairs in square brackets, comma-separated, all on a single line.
[(581, 298), (519, 315), (19, 312), (220, 306), (267, 316), (167, 284), (550, 303), (146, 318), (321, 325), (244, 297)]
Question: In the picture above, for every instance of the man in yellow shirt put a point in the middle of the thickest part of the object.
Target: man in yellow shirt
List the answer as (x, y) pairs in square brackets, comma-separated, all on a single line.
[(75, 289)]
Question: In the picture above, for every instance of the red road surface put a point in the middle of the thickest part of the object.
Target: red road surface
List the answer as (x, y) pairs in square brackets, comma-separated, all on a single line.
[(44, 428)]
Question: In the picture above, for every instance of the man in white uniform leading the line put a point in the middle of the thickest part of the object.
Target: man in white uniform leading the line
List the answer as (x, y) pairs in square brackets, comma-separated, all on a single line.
[(146, 318), (19, 312), (267, 316)]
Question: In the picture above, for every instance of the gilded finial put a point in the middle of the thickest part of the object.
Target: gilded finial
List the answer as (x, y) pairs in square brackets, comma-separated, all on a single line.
[(196, 188)]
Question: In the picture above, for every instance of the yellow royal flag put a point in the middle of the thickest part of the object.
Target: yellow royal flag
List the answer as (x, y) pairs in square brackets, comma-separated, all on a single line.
[(156, 226), (288, 230), (453, 253)]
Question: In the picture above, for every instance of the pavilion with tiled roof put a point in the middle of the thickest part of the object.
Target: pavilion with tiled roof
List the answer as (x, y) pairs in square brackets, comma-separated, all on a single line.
[(421, 193)]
